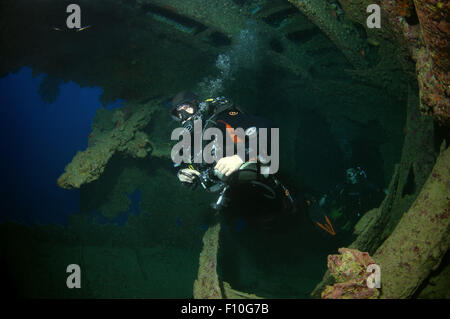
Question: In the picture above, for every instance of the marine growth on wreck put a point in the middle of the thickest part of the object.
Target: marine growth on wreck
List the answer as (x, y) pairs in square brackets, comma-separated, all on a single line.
[(359, 95)]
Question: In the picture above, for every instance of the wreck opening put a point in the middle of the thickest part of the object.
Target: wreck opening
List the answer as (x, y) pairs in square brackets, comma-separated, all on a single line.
[(170, 16), (302, 35), (277, 18)]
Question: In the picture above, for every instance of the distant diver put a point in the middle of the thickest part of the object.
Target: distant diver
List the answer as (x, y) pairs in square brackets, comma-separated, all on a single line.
[(338, 211), (243, 191)]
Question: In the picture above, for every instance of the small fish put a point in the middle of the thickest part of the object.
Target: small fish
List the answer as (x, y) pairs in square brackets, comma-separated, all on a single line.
[(56, 29), (83, 28)]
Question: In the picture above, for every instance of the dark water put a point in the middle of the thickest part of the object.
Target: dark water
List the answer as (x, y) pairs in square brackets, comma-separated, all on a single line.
[(40, 139), (136, 230)]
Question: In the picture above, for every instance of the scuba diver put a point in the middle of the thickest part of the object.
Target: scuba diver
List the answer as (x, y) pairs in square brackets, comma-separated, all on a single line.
[(338, 211), (244, 191)]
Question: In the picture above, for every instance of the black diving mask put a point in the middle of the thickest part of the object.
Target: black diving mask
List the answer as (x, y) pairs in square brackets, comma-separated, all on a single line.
[(187, 118), (183, 111)]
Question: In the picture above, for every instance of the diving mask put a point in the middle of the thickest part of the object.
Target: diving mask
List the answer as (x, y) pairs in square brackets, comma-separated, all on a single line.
[(183, 111)]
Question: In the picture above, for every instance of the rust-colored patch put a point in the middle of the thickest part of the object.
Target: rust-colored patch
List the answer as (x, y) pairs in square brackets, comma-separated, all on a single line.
[(404, 8)]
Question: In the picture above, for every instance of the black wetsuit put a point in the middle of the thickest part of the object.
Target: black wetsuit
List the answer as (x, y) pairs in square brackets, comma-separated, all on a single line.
[(261, 199), (232, 119)]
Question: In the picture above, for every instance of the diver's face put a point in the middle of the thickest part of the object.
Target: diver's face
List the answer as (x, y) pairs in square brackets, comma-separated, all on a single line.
[(185, 108)]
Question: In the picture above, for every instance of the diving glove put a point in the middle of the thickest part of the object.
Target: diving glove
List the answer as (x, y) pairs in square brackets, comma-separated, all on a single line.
[(187, 175), (228, 165)]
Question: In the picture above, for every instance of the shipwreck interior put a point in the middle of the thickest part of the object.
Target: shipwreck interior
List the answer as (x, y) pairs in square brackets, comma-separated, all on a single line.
[(343, 96)]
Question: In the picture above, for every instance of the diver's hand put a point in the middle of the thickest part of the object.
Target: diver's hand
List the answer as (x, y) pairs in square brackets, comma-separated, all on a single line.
[(228, 165), (187, 175)]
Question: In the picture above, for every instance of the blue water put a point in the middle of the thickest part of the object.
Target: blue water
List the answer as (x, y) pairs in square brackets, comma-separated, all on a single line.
[(38, 141)]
